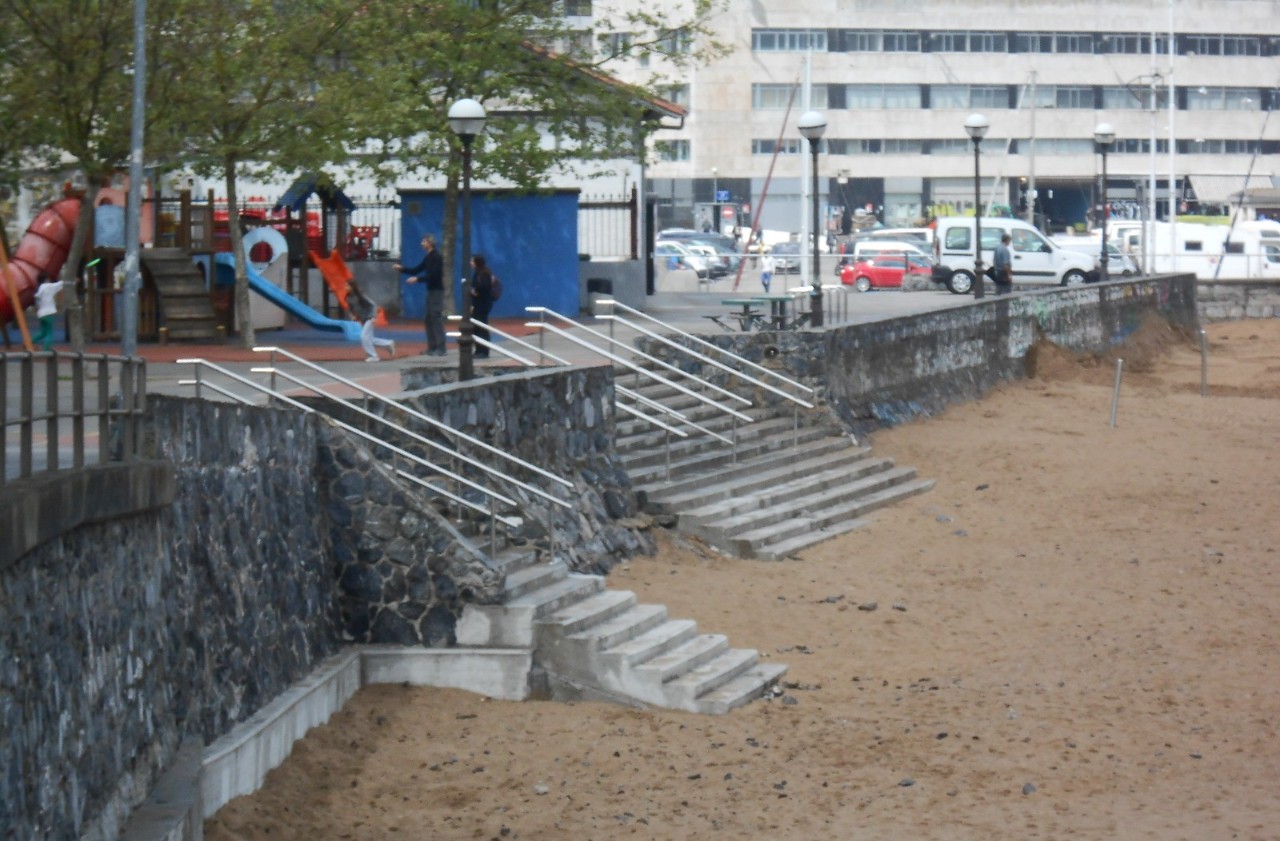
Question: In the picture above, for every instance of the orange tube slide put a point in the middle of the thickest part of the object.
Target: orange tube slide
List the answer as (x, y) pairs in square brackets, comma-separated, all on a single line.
[(43, 248)]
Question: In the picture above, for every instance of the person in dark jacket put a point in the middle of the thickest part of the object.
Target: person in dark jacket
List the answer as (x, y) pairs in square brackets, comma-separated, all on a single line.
[(431, 272), (481, 300)]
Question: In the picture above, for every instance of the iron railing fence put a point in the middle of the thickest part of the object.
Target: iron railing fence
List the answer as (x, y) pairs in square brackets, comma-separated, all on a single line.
[(68, 410)]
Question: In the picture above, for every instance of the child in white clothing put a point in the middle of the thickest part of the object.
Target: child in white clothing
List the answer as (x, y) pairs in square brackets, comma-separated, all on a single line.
[(46, 309)]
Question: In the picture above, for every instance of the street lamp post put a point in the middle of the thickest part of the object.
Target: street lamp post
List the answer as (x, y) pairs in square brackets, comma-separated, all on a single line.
[(977, 125), (715, 199), (812, 126), (466, 119), (1104, 135)]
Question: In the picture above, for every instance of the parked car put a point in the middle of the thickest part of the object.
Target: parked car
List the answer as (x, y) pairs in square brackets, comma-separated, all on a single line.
[(725, 246), (883, 271), (1035, 258), (717, 263), (1119, 264), (786, 257), (678, 256)]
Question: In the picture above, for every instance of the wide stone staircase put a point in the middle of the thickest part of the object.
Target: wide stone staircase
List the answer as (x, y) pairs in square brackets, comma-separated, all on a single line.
[(779, 490), (185, 309), (597, 644)]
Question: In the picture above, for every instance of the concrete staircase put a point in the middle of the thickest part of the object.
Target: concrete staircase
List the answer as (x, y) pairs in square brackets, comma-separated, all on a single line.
[(785, 489), (185, 309), (598, 644)]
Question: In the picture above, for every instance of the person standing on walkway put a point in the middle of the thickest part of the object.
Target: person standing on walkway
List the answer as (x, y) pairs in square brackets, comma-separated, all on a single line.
[(46, 309), (366, 312), (766, 271), (482, 299), (1002, 266), (431, 272)]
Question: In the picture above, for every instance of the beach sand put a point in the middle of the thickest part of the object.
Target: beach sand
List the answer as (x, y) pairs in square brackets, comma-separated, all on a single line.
[(1074, 636)]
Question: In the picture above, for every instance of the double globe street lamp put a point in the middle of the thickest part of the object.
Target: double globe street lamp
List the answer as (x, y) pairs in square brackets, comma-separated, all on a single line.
[(976, 125), (812, 126), (466, 119)]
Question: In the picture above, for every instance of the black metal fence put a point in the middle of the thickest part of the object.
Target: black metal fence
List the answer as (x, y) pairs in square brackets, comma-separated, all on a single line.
[(61, 411)]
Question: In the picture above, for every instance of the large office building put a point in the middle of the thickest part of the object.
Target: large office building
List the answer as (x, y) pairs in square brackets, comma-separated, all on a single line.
[(1187, 85)]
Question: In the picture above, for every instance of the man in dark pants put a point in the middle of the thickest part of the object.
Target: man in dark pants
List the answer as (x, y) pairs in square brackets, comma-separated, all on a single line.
[(431, 272), (1002, 266)]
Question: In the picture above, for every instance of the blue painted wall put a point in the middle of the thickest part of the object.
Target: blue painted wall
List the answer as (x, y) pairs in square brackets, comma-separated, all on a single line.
[(530, 241)]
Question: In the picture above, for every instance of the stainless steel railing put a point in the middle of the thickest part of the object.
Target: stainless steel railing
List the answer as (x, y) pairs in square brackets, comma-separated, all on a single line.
[(62, 406)]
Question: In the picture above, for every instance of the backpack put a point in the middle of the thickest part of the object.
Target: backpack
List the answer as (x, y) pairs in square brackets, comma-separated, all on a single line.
[(495, 287)]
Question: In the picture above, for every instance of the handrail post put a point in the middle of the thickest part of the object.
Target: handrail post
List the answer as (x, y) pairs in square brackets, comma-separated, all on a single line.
[(77, 411), (667, 448), (104, 405), (126, 416), (735, 440), (493, 527), (28, 409), (795, 425), (51, 411)]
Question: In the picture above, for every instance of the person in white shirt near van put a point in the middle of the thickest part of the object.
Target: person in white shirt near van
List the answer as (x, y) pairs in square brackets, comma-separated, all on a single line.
[(766, 271)]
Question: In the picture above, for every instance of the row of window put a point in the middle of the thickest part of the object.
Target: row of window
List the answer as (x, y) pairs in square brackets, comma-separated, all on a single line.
[(680, 150), (972, 41), (1085, 97)]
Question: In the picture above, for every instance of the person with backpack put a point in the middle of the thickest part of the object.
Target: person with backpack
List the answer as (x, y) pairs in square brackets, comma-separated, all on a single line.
[(485, 290)]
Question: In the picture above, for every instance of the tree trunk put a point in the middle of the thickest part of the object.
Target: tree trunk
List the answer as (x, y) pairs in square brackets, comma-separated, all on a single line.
[(244, 322), (71, 268)]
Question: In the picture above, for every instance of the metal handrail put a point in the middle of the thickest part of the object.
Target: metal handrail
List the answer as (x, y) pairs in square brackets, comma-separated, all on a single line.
[(626, 392), (637, 369), (710, 361), (422, 439), (133, 393), (492, 495), (704, 343), (559, 360), (443, 427), (485, 343), (660, 362)]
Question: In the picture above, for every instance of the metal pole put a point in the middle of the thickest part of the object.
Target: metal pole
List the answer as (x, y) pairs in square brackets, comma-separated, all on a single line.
[(466, 344), (1204, 366), (817, 272), (1104, 257), (133, 216), (977, 221), (1115, 394)]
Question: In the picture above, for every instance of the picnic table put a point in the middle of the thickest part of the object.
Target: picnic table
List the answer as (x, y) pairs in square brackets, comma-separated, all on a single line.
[(749, 316), (778, 305)]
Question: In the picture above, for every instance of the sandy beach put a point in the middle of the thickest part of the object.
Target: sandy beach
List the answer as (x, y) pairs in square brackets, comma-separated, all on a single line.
[(1074, 635)]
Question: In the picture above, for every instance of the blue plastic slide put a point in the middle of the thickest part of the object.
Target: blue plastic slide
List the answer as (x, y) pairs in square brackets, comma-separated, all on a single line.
[(349, 329)]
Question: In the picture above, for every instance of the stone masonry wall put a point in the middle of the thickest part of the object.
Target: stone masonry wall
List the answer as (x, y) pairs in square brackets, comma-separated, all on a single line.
[(119, 639), (886, 372), (1232, 300)]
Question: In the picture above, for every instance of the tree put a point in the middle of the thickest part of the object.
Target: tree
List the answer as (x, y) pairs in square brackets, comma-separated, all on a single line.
[(264, 87), (503, 55), (68, 94)]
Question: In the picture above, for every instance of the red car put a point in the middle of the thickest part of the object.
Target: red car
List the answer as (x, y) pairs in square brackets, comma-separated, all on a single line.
[(882, 271)]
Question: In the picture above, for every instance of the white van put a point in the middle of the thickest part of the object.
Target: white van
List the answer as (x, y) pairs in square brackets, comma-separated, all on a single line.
[(1036, 260)]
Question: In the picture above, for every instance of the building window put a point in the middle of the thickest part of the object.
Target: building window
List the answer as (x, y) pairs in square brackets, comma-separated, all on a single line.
[(775, 97), (671, 150), (1073, 96), (577, 8), (1073, 42), (1223, 99), (577, 44), (989, 96), (949, 146), (988, 42), (949, 96), (863, 41), (1054, 42), (872, 97), (676, 94), (790, 146), (788, 40), (1241, 45), (949, 42), (675, 42), (902, 42), (903, 146), (614, 44), (1136, 98)]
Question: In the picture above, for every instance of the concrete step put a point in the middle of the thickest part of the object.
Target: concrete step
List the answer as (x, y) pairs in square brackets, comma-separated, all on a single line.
[(632, 434), (655, 641), (625, 626), (521, 581), (649, 439), (819, 501), (688, 491), (706, 454), (682, 659), (593, 610), (511, 624), (742, 690), (781, 485), (683, 692), (785, 536)]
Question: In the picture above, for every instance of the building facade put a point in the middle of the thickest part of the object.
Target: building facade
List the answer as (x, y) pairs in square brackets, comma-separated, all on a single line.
[(896, 81)]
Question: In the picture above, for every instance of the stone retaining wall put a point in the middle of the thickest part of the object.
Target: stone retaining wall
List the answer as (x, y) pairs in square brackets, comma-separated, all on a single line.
[(886, 372), (1232, 300)]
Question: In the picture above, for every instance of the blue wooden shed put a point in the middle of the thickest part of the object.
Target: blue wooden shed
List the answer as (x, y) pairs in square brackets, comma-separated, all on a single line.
[(530, 241)]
